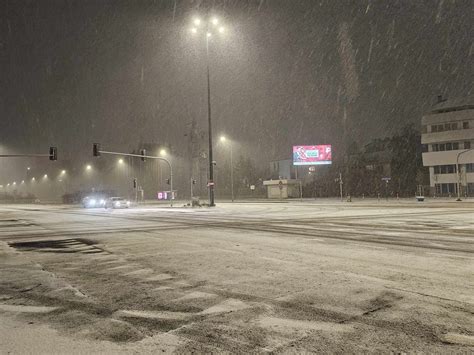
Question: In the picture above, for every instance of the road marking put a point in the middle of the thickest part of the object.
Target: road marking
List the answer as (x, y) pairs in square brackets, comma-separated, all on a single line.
[(153, 314), (451, 255), (160, 277), (369, 246), (26, 309)]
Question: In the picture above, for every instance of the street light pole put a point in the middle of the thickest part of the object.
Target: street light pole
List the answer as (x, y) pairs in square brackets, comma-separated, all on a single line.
[(231, 171), (459, 172), (211, 163)]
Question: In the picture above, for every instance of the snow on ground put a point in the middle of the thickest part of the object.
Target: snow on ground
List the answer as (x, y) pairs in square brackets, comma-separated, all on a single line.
[(318, 276)]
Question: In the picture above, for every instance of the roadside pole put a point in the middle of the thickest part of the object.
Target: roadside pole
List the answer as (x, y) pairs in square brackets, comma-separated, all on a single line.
[(459, 172), (299, 182), (340, 186)]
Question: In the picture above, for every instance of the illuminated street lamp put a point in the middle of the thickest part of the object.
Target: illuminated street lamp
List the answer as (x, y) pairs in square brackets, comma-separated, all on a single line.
[(45, 176), (224, 140), (14, 183), (120, 161), (22, 182), (88, 167), (63, 172), (163, 152), (207, 29), (33, 179)]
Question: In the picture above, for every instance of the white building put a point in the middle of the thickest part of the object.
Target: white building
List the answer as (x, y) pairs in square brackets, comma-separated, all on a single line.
[(448, 131)]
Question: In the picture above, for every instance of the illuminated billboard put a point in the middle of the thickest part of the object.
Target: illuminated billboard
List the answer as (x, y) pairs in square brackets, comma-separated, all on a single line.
[(312, 154)]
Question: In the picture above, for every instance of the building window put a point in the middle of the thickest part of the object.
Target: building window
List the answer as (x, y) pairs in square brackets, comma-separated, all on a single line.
[(470, 188), (445, 169), (434, 148), (448, 188), (465, 125), (442, 147), (455, 146), (449, 146), (467, 145), (450, 169), (470, 168), (454, 126), (445, 189)]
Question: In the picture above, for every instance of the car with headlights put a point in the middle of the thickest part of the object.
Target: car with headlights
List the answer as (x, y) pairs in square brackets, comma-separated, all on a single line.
[(117, 202), (93, 201)]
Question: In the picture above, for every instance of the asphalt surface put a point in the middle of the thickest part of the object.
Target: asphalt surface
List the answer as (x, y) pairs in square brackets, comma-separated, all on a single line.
[(324, 277)]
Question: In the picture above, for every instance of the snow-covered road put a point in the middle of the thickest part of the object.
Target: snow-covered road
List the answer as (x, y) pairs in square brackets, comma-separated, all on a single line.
[(246, 277)]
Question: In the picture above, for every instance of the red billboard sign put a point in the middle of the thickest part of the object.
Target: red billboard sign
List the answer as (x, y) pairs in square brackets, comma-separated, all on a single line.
[(312, 154)]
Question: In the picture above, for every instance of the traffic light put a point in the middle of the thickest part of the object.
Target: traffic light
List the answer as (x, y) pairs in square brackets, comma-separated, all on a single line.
[(96, 149), (135, 183), (143, 153), (168, 181), (53, 153)]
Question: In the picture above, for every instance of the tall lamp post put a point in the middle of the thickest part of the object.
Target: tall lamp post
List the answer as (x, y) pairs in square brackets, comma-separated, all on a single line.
[(224, 140), (208, 28)]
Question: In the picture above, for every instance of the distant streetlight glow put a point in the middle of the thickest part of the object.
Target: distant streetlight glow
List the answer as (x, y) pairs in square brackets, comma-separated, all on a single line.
[(209, 34), (14, 182), (88, 167), (163, 152), (63, 172), (223, 138), (120, 161), (22, 181), (194, 30), (45, 176), (214, 21), (221, 29), (28, 168), (33, 179), (8, 184), (197, 21)]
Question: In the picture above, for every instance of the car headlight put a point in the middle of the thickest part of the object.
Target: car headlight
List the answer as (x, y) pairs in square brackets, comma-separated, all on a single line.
[(117, 204), (102, 201), (92, 202), (128, 203)]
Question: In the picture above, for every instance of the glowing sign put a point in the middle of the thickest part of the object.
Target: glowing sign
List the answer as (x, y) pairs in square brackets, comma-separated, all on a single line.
[(312, 154)]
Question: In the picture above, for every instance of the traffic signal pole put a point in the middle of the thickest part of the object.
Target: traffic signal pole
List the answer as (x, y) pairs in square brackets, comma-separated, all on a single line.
[(53, 155), (97, 152)]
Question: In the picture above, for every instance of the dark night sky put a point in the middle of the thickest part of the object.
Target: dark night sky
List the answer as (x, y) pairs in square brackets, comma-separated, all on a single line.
[(124, 72)]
